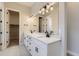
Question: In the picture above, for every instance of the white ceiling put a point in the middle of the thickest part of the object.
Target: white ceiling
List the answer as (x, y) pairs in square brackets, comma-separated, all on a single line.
[(30, 4), (27, 4)]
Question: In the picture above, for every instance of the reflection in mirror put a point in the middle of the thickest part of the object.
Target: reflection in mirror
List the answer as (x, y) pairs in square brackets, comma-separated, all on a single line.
[(42, 24), (49, 22)]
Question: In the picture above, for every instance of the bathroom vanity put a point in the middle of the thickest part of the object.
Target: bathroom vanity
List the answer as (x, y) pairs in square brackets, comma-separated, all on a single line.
[(38, 44)]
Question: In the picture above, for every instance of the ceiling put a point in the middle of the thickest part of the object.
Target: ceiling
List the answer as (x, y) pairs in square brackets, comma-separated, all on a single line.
[(27, 4), (30, 4)]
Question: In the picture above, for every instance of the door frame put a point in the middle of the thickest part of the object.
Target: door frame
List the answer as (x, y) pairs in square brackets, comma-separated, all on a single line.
[(4, 43), (63, 27)]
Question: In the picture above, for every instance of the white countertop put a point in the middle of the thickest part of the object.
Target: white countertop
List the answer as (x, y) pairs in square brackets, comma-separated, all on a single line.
[(42, 37)]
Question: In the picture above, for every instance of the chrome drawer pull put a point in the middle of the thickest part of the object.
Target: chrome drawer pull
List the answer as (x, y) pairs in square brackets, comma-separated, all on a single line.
[(36, 49)]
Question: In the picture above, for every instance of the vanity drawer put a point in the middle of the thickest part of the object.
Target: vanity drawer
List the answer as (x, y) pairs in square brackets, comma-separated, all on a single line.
[(35, 47), (38, 51), (25, 42), (39, 43)]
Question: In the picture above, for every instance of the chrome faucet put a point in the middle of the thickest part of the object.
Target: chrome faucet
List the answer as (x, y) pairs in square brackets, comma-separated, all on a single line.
[(48, 34), (32, 31)]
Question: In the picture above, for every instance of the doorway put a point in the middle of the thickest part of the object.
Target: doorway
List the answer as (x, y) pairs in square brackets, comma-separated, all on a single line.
[(13, 28)]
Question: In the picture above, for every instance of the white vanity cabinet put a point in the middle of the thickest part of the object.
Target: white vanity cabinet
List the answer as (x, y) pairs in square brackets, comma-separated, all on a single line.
[(28, 43), (39, 48)]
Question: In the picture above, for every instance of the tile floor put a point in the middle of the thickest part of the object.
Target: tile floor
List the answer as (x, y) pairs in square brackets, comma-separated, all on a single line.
[(14, 51)]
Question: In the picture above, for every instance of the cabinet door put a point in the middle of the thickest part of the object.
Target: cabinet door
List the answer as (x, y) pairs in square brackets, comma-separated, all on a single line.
[(25, 41), (37, 50), (29, 45)]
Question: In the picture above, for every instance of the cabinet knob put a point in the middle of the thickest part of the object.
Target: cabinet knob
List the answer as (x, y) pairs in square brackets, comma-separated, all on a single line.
[(0, 32), (6, 32), (29, 49), (0, 21), (0, 10), (7, 22)]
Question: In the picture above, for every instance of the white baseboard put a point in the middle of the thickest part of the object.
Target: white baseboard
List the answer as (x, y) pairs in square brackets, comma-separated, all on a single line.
[(72, 53)]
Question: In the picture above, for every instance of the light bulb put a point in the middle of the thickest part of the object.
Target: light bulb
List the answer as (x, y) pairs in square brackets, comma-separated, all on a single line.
[(51, 8), (47, 11), (43, 13), (40, 12), (43, 9)]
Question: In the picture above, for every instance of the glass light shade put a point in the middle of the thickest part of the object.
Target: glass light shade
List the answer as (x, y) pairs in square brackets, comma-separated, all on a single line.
[(40, 11), (43, 9), (47, 11), (43, 13), (51, 8), (47, 7)]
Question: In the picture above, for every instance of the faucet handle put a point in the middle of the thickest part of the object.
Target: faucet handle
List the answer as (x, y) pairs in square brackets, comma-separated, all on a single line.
[(31, 31), (51, 32)]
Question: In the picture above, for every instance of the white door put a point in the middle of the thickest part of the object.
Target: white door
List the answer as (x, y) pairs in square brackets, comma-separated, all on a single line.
[(6, 28), (0, 27)]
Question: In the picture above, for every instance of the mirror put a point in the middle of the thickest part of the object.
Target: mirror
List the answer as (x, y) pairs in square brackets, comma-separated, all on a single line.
[(49, 22), (44, 22)]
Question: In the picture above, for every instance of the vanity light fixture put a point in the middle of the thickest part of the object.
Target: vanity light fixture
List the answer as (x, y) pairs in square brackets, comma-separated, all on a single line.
[(46, 9)]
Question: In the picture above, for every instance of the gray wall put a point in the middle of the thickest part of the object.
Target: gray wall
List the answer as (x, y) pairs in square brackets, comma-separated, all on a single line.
[(73, 28)]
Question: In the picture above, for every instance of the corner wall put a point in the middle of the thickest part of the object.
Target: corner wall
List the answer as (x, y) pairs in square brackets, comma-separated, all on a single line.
[(73, 28)]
